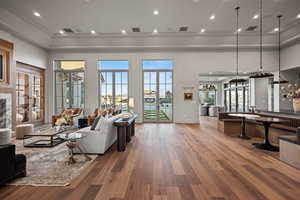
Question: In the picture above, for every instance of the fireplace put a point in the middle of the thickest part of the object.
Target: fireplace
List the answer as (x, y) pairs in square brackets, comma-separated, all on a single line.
[(5, 110), (2, 113)]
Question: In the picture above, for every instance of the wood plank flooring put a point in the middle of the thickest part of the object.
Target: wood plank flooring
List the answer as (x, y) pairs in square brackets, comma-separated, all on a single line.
[(177, 162)]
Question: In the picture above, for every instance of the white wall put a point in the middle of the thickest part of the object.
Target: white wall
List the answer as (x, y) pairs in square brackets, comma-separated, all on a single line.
[(290, 56), (187, 66), (26, 52)]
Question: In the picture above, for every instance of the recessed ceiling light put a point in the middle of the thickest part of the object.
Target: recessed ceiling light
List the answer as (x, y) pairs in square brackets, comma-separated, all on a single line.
[(61, 32), (123, 31), (276, 29), (298, 16), (93, 32), (155, 31), (37, 14), (202, 30), (212, 17), (155, 12), (196, 1), (209, 72), (240, 30), (255, 16)]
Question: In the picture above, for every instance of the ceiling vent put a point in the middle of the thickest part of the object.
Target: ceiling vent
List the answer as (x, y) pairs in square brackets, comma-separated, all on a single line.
[(183, 29), (136, 29), (251, 28), (68, 30)]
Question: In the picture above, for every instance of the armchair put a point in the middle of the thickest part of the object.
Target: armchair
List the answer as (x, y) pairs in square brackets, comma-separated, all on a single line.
[(12, 165)]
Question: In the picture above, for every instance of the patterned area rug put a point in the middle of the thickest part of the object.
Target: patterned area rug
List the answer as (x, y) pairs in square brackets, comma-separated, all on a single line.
[(49, 166)]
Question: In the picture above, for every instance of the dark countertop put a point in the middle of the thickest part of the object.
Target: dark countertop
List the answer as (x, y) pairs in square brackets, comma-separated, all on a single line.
[(280, 114)]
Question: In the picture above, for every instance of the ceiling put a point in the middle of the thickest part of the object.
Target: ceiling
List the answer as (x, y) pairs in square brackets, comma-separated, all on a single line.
[(110, 16)]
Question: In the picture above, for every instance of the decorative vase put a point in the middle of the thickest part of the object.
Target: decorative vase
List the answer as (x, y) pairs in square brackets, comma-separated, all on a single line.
[(296, 105)]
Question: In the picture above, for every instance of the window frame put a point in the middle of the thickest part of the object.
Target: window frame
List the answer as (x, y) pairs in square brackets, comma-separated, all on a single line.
[(59, 70), (157, 82), (113, 71)]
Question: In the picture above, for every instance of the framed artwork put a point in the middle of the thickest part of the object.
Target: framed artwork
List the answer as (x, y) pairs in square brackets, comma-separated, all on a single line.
[(188, 96), (3, 66)]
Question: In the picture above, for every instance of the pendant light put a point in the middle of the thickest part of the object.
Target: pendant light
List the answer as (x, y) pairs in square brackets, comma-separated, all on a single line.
[(237, 80), (261, 73), (280, 81)]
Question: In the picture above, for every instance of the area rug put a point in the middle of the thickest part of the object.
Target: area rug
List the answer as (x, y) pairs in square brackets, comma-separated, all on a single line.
[(49, 166)]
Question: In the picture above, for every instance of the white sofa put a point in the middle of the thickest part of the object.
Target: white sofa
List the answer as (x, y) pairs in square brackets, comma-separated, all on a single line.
[(98, 141)]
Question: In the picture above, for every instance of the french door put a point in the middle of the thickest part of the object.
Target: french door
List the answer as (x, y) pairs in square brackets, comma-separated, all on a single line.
[(158, 96), (29, 94)]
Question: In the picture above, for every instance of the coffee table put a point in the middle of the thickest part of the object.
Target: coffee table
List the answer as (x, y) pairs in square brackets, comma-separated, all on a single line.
[(72, 144), (50, 135)]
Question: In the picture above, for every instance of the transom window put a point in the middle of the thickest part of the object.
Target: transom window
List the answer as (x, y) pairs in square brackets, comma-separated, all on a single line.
[(113, 77)]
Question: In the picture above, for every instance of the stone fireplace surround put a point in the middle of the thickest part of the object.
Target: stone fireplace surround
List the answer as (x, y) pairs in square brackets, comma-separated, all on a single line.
[(5, 110)]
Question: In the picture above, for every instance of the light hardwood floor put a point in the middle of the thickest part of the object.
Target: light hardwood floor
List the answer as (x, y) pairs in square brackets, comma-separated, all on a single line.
[(177, 161)]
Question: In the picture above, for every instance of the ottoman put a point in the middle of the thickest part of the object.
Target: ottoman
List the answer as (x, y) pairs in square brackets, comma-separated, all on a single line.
[(5, 136), (23, 129)]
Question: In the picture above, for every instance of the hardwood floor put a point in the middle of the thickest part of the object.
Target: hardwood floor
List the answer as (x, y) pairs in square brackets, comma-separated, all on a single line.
[(177, 161)]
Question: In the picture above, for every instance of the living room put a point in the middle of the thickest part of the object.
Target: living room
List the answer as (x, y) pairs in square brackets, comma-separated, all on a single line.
[(94, 107)]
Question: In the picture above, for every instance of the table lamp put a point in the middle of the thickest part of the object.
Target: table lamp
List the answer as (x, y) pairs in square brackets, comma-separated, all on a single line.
[(131, 104)]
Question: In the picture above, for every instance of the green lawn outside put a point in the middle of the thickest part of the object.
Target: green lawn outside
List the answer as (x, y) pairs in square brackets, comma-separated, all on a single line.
[(151, 115)]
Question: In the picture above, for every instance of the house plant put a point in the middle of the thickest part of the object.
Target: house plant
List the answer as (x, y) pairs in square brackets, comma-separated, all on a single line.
[(292, 92)]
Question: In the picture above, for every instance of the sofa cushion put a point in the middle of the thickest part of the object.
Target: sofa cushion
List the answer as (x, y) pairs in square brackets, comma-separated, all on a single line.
[(93, 127)]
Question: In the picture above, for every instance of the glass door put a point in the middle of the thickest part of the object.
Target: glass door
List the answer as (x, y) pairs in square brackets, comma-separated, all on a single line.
[(158, 96), (150, 96), (29, 94), (22, 93)]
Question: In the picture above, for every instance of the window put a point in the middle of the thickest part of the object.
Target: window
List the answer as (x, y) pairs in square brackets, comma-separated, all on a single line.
[(113, 77), (236, 97), (69, 85), (207, 94)]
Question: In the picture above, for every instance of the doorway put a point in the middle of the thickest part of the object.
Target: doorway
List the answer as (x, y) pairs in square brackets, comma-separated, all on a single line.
[(29, 94), (157, 91)]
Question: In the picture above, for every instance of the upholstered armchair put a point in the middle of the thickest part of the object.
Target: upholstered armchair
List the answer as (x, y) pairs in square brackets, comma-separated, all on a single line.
[(74, 114)]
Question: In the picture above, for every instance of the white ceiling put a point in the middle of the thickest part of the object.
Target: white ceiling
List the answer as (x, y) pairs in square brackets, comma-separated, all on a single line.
[(110, 16)]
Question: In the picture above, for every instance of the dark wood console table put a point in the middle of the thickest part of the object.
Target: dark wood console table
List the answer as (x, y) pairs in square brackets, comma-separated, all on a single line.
[(125, 130)]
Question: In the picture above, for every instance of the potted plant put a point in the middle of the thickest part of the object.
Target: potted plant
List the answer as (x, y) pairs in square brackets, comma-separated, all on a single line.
[(292, 92)]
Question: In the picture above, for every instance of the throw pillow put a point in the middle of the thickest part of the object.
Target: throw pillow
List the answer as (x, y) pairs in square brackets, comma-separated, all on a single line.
[(100, 124), (93, 127)]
